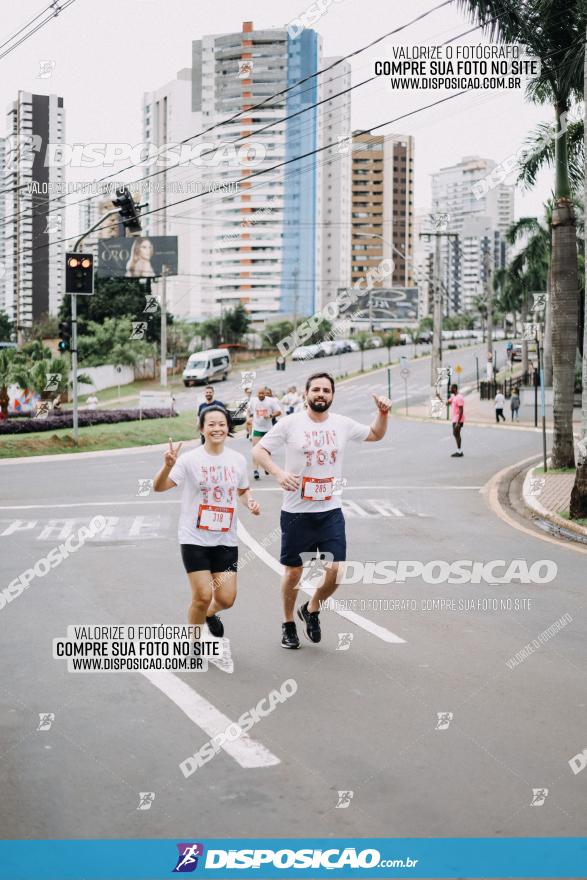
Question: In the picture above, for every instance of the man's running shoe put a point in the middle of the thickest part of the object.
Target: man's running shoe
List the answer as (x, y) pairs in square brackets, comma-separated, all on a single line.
[(457, 455), (310, 618), (215, 626), (256, 474), (289, 637)]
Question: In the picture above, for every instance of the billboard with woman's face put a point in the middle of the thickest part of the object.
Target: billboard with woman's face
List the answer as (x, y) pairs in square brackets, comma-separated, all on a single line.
[(137, 256)]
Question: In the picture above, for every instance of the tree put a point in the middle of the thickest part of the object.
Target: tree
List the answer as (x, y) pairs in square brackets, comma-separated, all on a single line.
[(578, 505), (14, 370), (116, 298), (530, 269), (362, 339), (236, 323), (110, 343), (275, 331), (556, 37), (5, 327), (46, 327), (389, 340)]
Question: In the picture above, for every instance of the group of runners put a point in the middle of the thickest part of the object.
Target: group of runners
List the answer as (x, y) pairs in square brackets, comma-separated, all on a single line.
[(214, 477)]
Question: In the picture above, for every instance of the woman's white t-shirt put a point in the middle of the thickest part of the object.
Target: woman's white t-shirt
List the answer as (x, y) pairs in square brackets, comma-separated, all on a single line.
[(208, 514), (314, 451)]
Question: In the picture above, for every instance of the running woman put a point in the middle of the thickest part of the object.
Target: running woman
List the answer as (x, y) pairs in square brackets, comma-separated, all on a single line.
[(212, 477), (262, 409), (457, 416), (311, 515)]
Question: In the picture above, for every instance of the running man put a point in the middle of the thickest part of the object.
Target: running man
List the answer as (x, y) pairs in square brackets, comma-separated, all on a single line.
[(262, 409), (208, 401), (292, 401), (311, 514), (212, 477), (457, 416)]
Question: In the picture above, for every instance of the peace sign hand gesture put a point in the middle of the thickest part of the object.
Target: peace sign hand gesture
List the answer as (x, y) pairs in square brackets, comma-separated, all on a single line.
[(171, 454)]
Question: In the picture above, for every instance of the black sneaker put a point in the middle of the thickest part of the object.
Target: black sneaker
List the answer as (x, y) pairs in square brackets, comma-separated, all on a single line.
[(289, 637), (310, 618), (256, 474), (215, 626), (457, 455)]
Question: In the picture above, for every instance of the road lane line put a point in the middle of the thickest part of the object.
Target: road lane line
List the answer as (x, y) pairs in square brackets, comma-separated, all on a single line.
[(379, 631), (155, 500), (246, 751)]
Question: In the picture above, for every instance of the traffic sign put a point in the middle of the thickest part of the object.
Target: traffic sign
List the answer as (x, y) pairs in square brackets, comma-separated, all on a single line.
[(458, 369), (404, 372)]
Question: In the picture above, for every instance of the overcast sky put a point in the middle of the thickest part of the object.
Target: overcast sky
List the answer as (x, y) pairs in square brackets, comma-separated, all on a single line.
[(107, 53)]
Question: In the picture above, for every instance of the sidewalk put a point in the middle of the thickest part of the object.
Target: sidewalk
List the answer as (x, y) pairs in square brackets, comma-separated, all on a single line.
[(549, 495), (482, 412)]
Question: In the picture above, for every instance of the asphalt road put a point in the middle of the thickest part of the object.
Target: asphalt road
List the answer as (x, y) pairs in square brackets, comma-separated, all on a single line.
[(364, 719), (417, 384)]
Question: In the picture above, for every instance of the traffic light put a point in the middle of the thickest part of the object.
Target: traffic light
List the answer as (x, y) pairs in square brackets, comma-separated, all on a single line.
[(128, 210), (64, 336), (79, 273)]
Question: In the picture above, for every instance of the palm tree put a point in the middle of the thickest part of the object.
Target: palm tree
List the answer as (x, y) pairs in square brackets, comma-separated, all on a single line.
[(578, 505), (389, 340), (14, 370), (555, 36), (362, 340), (529, 270)]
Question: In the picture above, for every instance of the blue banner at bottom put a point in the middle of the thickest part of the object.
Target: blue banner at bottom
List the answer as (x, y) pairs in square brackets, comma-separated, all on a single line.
[(382, 858)]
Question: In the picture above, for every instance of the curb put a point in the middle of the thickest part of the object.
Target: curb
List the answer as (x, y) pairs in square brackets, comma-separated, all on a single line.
[(535, 507)]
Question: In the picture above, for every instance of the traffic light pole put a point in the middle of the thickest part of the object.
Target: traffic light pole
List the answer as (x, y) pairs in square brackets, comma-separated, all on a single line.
[(76, 249)]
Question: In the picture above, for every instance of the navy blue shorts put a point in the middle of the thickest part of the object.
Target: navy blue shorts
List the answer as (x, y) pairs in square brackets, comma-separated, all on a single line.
[(312, 533)]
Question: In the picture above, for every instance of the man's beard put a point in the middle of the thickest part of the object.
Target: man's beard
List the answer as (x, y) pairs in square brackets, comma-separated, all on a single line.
[(319, 407)]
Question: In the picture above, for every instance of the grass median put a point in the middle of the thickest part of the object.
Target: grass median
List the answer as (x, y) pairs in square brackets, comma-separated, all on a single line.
[(118, 436)]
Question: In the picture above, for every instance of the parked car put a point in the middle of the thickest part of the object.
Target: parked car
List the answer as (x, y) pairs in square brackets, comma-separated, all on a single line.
[(374, 342), (341, 346), (425, 336), (404, 339), (517, 351), (204, 366), (353, 345), (307, 352), (328, 347)]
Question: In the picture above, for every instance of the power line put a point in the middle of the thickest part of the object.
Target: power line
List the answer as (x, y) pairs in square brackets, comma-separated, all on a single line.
[(57, 10), (277, 94)]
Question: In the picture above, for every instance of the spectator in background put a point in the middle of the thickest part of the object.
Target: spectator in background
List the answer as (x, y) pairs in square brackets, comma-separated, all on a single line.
[(499, 405), (92, 402), (515, 405)]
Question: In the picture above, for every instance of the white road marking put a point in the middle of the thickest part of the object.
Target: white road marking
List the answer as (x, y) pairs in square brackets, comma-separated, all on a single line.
[(177, 500), (246, 751), (379, 631)]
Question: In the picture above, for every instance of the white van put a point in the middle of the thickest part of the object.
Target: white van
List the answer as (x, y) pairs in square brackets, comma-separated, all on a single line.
[(205, 366)]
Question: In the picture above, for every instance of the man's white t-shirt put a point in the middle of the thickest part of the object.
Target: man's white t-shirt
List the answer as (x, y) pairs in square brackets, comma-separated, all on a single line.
[(314, 451), (208, 514), (262, 410), (499, 400)]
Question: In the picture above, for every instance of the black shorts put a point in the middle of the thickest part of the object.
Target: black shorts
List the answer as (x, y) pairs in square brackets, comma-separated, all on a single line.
[(312, 533), (214, 559)]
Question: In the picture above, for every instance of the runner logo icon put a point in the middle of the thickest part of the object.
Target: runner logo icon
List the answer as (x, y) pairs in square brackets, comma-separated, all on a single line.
[(187, 859)]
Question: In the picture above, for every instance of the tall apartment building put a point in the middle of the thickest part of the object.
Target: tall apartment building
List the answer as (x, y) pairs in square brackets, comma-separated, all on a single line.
[(481, 222), (333, 232), (265, 242), (2, 241), (383, 206), (34, 258), (169, 118)]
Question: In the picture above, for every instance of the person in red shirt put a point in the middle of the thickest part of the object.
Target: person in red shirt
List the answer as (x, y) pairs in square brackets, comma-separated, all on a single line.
[(456, 402)]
